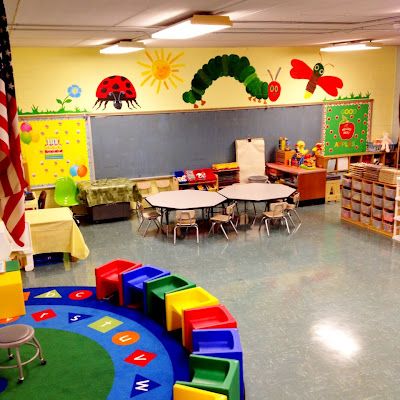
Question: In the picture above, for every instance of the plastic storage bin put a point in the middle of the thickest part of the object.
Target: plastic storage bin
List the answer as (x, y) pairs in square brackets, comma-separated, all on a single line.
[(367, 187), (376, 212), (365, 209), (366, 198), (390, 193), (377, 223), (345, 213), (388, 216), (356, 195), (346, 202), (388, 227), (355, 216), (346, 182), (378, 189), (378, 201), (346, 193), (355, 184), (388, 204), (355, 206), (365, 219)]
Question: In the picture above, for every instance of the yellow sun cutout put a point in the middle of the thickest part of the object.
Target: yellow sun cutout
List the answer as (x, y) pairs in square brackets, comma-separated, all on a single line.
[(162, 69)]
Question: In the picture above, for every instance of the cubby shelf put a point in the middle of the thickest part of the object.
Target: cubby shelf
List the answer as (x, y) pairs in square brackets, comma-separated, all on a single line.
[(368, 204), (396, 228)]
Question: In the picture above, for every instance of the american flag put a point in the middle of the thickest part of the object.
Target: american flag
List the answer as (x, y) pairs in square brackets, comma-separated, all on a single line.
[(12, 182)]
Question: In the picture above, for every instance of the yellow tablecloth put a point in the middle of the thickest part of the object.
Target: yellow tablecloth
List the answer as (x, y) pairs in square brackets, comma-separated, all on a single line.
[(54, 230)]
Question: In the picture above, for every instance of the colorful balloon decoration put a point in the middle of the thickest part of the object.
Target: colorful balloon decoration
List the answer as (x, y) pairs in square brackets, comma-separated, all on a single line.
[(25, 127), (74, 170), (26, 137), (82, 170)]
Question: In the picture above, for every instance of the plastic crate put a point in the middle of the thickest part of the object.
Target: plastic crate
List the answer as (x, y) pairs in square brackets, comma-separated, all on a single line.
[(367, 187), (378, 189), (355, 216), (365, 219), (376, 212), (366, 209), (356, 184), (390, 193), (356, 195), (378, 201), (366, 198), (388, 204), (346, 182), (345, 213), (48, 258), (346, 202), (388, 216), (355, 206), (387, 227), (377, 223), (346, 193)]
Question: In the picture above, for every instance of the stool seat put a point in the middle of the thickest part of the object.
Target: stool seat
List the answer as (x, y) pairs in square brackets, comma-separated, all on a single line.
[(15, 335)]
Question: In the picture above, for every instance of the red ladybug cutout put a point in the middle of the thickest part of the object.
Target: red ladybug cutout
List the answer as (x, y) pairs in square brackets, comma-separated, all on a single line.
[(116, 88)]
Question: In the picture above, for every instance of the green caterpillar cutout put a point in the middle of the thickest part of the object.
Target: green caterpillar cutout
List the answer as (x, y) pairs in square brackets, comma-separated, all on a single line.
[(226, 65)]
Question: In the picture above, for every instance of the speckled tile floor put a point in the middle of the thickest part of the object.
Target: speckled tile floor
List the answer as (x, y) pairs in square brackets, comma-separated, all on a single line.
[(318, 310)]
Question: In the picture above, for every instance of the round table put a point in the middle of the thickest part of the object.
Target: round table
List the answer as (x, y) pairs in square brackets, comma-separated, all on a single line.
[(184, 200)]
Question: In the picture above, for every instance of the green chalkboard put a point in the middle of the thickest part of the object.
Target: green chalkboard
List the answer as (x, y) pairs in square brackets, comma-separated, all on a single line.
[(346, 127)]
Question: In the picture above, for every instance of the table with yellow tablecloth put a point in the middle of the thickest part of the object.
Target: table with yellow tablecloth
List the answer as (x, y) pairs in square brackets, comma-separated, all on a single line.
[(55, 231)]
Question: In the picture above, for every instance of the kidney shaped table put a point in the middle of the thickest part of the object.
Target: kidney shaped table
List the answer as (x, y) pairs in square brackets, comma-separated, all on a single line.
[(184, 200)]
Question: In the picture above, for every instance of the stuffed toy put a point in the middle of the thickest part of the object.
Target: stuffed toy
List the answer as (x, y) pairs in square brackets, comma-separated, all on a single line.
[(385, 142)]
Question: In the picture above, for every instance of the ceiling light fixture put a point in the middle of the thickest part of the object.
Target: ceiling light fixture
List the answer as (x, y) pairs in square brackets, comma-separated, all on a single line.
[(123, 47), (196, 26), (339, 47)]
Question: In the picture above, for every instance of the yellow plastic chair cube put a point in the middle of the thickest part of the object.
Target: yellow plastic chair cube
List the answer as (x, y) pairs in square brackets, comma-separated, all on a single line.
[(182, 392), (177, 302)]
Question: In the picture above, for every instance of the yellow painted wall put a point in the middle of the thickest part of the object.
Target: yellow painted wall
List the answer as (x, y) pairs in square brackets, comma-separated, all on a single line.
[(43, 74)]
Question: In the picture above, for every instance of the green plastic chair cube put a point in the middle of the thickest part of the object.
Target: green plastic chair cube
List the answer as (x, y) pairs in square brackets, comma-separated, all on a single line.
[(218, 375), (155, 291), (65, 192)]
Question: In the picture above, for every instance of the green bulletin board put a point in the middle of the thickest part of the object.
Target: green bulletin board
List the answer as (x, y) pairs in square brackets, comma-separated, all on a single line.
[(346, 126)]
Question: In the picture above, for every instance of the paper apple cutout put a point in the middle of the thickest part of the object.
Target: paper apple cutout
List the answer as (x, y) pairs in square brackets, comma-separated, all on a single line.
[(346, 130)]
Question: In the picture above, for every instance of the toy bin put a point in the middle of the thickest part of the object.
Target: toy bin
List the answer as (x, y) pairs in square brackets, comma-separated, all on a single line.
[(366, 209), (378, 189), (345, 213), (367, 187), (388, 216), (388, 227), (355, 216), (365, 219), (388, 204), (366, 198), (357, 185), (346, 193), (376, 212), (390, 193), (346, 203), (355, 206), (378, 201), (346, 182), (356, 196), (377, 223)]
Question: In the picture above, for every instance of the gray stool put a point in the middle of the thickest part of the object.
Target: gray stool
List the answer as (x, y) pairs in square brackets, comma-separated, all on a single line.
[(14, 336)]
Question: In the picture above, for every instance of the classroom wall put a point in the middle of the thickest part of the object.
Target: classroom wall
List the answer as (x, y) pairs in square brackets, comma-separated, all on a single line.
[(65, 79)]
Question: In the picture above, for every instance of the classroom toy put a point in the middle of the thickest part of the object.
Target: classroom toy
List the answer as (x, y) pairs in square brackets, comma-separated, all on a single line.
[(182, 392)]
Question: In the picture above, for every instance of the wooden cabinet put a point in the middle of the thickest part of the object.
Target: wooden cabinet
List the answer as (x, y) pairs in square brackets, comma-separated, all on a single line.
[(309, 183), (227, 177), (342, 162), (368, 204), (396, 228)]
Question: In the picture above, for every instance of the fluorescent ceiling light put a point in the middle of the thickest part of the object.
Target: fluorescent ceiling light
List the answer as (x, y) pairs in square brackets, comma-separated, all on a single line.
[(123, 48), (196, 26), (350, 47)]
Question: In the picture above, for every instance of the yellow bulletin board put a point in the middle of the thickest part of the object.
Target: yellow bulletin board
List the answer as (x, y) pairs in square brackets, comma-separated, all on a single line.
[(56, 147)]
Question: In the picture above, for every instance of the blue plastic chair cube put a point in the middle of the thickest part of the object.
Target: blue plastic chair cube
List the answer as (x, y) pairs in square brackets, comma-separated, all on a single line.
[(133, 282), (222, 343)]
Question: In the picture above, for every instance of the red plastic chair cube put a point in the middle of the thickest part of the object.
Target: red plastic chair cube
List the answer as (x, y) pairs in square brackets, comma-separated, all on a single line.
[(108, 279), (205, 318)]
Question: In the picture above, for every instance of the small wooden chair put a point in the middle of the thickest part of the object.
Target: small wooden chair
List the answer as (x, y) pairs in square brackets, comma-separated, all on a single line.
[(186, 219), (221, 219), (150, 216), (292, 208), (276, 213)]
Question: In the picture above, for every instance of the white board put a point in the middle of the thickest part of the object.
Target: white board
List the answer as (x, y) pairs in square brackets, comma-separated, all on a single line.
[(250, 155)]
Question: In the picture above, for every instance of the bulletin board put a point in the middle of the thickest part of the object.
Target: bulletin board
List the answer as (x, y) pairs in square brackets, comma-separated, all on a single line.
[(56, 147), (346, 126)]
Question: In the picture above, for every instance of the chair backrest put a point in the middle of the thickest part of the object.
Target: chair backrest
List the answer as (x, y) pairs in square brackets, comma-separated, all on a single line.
[(278, 208), (144, 185), (230, 210), (42, 199), (296, 198), (65, 191), (139, 209), (163, 184), (186, 217)]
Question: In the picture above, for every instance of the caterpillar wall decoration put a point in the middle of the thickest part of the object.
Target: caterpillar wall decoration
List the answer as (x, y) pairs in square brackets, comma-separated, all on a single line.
[(236, 67)]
